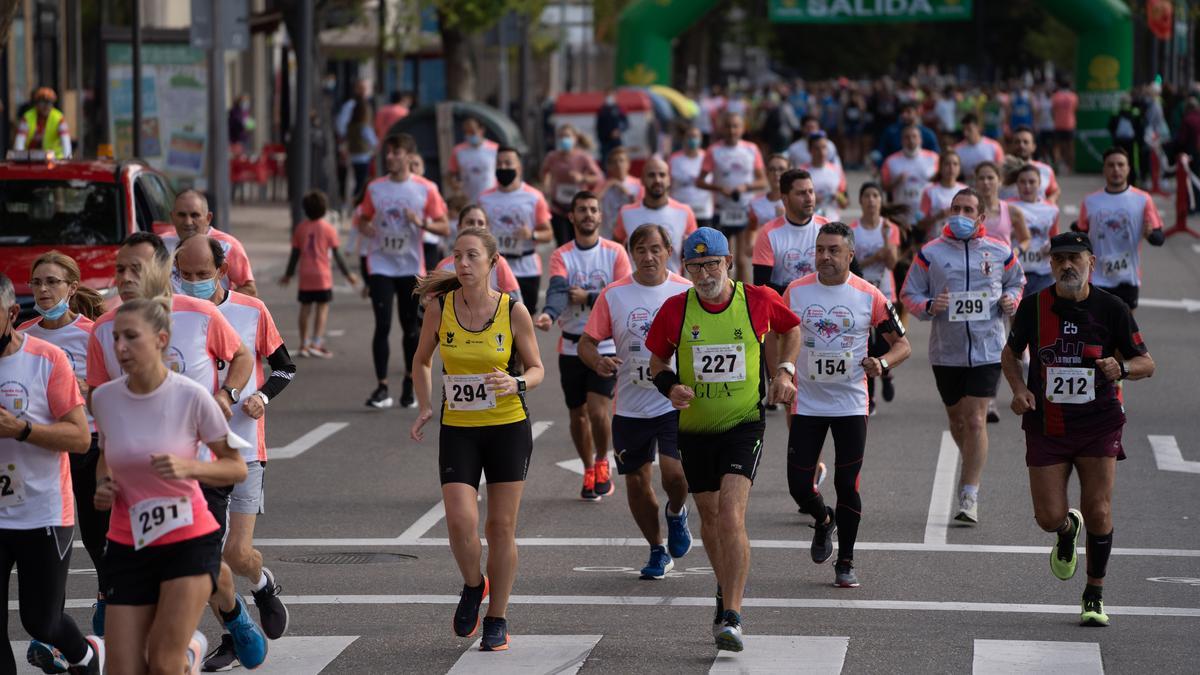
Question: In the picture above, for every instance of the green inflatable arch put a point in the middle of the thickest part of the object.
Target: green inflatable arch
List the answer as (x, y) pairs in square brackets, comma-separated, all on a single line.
[(1103, 65)]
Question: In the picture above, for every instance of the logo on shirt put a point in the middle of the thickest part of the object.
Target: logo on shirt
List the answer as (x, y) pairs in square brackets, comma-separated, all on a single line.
[(737, 333), (1061, 352), (592, 281), (449, 337), (986, 268), (14, 397), (175, 361), (499, 342), (639, 320), (828, 324), (1115, 220), (696, 331), (799, 263)]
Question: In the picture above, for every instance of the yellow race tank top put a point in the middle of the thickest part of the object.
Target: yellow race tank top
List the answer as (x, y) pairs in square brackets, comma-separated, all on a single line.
[(469, 355)]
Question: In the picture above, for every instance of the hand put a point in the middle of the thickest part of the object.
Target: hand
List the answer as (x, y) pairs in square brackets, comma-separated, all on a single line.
[(543, 321), (254, 407), (523, 232), (423, 416), (352, 279), (226, 403), (500, 383), (10, 425), (1023, 402), (782, 390), (577, 295), (367, 228), (872, 367), (1109, 368), (285, 280), (171, 467), (681, 396), (106, 494), (940, 304), (1008, 305), (728, 191), (607, 366), (842, 200), (83, 387), (414, 218), (575, 177)]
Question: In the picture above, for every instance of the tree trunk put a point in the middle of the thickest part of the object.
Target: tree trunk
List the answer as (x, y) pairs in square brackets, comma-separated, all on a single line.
[(460, 68), (8, 12)]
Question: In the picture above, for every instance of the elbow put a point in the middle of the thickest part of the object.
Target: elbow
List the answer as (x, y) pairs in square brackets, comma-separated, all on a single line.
[(81, 440)]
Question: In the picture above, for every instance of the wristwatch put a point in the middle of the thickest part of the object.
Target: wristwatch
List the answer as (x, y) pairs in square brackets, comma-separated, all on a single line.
[(1124, 370), (234, 393), (520, 384), (788, 366), (265, 399), (883, 364)]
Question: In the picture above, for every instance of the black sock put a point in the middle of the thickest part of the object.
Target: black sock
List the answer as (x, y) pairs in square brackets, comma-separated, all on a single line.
[(231, 614), (1099, 546), (1092, 592), (1066, 530)]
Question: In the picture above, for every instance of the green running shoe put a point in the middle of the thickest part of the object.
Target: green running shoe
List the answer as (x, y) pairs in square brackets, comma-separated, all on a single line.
[(1063, 559), (1093, 612)]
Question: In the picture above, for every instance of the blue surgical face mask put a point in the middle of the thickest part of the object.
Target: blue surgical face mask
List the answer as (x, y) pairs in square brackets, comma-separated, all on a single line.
[(566, 143), (693, 143), (475, 140), (961, 227), (54, 313), (202, 290)]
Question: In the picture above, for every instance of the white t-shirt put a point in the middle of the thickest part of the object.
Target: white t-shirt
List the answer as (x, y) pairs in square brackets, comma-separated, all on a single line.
[(764, 209), (970, 155), (918, 170), (623, 314), (475, 167), (789, 250), (799, 155), (731, 166), (591, 269), (72, 339), (1042, 220), (397, 249), (507, 213), (835, 327), (828, 182), (684, 172), (676, 217), (867, 242), (1048, 184), (936, 198), (613, 199), (38, 385), (1115, 223), (254, 324)]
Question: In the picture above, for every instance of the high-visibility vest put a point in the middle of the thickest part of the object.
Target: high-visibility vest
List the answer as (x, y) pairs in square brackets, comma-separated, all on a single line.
[(50, 138)]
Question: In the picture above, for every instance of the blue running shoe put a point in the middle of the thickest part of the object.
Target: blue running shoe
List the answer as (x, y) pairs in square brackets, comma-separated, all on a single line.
[(249, 641), (660, 563), (98, 617), (49, 659), (679, 537)]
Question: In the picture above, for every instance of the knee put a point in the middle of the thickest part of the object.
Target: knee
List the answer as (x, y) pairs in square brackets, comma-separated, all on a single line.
[(674, 482), (731, 521), (39, 626), (461, 524), (240, 558), (163, 661), (500, 529), (1049, 520), (1096, 512)]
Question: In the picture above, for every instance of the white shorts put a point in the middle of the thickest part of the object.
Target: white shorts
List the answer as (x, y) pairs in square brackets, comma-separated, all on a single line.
[(248, 496)]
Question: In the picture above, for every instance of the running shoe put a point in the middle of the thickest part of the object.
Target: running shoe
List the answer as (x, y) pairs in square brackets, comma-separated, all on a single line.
[(729, 638), (249, 641), (379, 398), (495, 635), (98, 614), (717, 618), (968, 508), (46, 657), (889, 389), (822, 541), (993, 417), (222, 658), (304, 352), (96, 665), (588, 492), (679, 537), (604, 482), (195, 652), (660, 563), (1093, 612), (272, 613), (1063, 559), (843, 574), (407, 399), (320, 352), (466, 616)]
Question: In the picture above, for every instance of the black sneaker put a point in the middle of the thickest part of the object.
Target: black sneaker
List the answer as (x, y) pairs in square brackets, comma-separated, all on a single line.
[(222, 658), (466, 616), (889, 389), (495, 635), (843, 574), (407, 400), (272, 613), (379, 398), (822, 541)]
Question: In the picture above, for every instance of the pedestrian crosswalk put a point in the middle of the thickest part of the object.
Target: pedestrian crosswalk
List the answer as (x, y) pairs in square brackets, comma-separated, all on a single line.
[(764, 654)]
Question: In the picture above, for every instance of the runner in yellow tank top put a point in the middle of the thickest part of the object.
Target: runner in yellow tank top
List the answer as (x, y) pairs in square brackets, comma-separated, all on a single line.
[(482, 338)]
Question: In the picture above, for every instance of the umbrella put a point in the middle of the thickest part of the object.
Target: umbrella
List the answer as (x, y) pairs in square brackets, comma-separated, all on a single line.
[(686, 107)]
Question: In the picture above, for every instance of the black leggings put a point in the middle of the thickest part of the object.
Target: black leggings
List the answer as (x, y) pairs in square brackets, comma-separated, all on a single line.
[(42, 557), (805, 439), (382, 290), (529, 292), (93, 524)]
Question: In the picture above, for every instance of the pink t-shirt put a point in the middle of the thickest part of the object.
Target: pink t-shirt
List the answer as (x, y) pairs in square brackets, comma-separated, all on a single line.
[(132, 429), (559, 165), (315, 239), (1063, 105)]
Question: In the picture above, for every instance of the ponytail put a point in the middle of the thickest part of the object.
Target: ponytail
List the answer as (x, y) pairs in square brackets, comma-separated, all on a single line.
[(88, 302)]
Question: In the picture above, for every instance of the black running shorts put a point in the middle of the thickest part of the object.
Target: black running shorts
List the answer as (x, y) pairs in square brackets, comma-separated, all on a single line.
[(134, 577), (708, 457), (500, 452), (578, 381), (635, 439), (955, 382)]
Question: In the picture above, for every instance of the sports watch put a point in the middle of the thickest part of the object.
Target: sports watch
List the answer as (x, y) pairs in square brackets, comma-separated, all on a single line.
[(234, 393), (520, 384)]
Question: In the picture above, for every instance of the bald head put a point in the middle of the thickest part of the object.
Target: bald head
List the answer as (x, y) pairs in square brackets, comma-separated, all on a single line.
[(656, 177), (199, 259)]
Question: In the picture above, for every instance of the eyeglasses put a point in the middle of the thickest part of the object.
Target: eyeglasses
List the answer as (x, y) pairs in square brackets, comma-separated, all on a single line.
[(48, 282), (711, 266)]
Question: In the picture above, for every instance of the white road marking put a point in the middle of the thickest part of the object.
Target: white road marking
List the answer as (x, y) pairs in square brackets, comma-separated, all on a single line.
[(1196, 248), (1183, 303), (434, 515), (336, 332), (938, 522), (1070, 210), (1168, 457), (307, 441), (529, 655), (785, 654), (1003, 657), (307, 655)]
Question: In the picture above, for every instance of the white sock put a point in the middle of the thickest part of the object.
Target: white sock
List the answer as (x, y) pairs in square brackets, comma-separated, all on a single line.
[(87, 658), (682, 510), (262, 581), (972, 490)]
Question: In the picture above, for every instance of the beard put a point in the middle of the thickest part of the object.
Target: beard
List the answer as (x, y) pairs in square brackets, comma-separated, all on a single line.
[(710, 289), (1070, 281)]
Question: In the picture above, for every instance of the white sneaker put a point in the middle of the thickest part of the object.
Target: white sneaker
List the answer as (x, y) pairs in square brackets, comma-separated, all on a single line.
[(195, 652), (968, 508)]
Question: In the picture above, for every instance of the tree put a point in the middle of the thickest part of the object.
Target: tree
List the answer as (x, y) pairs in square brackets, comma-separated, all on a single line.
[(458, 21), (8, 12)]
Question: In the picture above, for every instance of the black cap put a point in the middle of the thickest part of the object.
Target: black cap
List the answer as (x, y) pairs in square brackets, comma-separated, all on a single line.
[(1070, 242)]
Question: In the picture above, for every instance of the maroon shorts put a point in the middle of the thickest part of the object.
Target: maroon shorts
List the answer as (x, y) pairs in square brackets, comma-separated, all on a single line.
[(1042, 450)]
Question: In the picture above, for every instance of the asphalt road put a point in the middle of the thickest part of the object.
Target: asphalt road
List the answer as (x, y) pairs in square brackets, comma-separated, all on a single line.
[(935, 597)]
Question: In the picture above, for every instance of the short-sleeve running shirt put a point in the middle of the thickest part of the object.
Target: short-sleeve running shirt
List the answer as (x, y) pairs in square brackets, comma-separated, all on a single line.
[(132, 430), (239, 273), (918, 170), (936, 198), (1042, 220), (36, 385), (971, 155), (829, 181), (788, 249), (1116, 222), (731, 166), (475, 166), (867, 242), (254, 324), (684, 172), (676, 217), (835, 330), (315, 239), (397, 249), (763, 210), (71, 338), (507, 213), (591, 269), (613, 199), (623, 313), (1069, 337)]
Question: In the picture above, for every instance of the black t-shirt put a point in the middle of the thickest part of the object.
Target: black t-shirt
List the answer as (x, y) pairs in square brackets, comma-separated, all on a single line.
[(1062, 334)]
